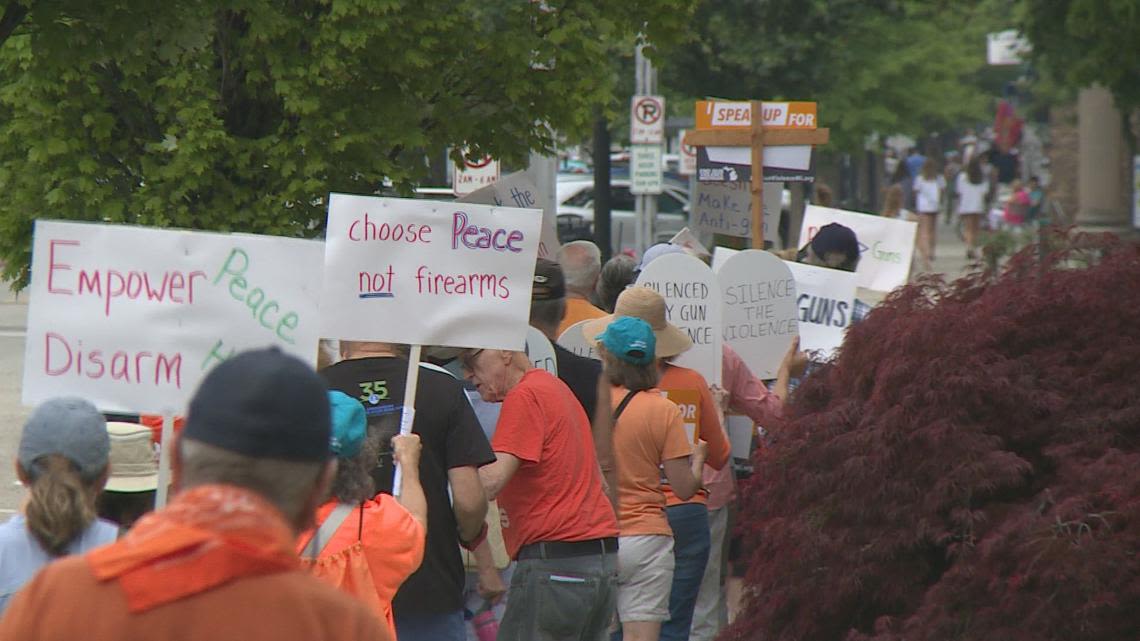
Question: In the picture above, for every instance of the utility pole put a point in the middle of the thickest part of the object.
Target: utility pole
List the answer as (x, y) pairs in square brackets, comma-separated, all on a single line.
[(645, 81), (602, 236)]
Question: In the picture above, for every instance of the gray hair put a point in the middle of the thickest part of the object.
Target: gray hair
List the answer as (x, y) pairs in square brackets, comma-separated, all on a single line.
[(634, 378), (353, 482), (581, 262), (617, 274), (286, 484)]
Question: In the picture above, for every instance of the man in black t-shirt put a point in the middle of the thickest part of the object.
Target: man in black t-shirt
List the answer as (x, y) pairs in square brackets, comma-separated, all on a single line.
[(429, 606), (582, 375)]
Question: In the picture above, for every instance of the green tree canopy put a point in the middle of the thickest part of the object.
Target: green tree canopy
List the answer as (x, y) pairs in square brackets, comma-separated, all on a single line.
[(872, 65), (245, 115)]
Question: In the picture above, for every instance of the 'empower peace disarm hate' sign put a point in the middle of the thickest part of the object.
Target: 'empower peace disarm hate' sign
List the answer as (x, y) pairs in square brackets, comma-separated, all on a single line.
[(131, 318), (428, 273)]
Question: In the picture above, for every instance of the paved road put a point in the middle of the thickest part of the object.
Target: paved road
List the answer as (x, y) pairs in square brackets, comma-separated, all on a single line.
[(950, 260)]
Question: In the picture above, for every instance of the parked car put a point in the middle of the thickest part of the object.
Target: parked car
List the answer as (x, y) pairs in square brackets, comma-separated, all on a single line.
[(576, 211)]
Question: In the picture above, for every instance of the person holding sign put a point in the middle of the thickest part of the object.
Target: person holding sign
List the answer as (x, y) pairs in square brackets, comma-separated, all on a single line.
[(689, 519), (649, 438), (558, 523), (219, 561), (429, 605), (581, 263)]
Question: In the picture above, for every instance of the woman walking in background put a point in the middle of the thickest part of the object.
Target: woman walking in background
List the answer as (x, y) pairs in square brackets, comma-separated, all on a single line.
[(63, 456), (972, 188), (928, 188)]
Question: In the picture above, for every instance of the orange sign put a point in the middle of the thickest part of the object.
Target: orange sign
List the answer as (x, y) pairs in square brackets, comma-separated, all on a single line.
[(689, 402), (721, 114)]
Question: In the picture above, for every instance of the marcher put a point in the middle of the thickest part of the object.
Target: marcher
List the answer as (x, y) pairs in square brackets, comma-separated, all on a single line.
[(893, 204), (218, 562), (62, 460), (650, 441), (557, 522), (131, 488), (905, 182), (687, 518), (1017, 206), (928, 188), (972, 191), (617, 274), (581, 263), (429, 605), (366, 543)]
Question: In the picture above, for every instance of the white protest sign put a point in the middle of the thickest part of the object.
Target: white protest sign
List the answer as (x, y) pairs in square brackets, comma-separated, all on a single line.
[(826, 302), (428, 273), (474, 174), (759, 309), (687, 239), (720, 256), (574, 339), (726, 208), (540, 351), (517, 190), (886, 245), (132, 318), (692, 303), (647, 120)]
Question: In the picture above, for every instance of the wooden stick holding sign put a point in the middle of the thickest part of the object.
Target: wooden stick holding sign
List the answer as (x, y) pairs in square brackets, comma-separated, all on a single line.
[(756, 138), (160, 494), (408, 414)]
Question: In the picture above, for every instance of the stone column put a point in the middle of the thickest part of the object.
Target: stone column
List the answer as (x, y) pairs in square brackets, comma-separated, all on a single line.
[(1102, 152)]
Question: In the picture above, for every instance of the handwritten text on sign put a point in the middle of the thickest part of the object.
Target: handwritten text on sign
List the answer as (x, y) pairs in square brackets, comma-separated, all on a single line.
[(886, 245), (826, 301), (759, 309), (132, 318), (726, 208), (428, 273), (692, 303)]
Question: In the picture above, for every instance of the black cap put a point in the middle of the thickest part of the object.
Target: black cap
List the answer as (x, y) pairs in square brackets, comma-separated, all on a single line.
[(835, 238), (549, 284), (263, 404)]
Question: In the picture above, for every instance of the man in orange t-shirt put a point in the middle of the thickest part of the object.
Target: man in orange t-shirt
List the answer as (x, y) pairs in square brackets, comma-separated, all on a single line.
[(557, 522), (581, 263)]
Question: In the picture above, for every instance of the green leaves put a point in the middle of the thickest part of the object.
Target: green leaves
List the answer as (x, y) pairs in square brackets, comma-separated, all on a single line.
[(245, 115)]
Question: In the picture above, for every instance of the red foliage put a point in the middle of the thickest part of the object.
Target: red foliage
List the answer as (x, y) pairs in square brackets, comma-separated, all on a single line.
[(968, 468)]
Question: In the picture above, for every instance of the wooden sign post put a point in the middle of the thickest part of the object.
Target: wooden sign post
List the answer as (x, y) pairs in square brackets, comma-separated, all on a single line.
[(757, 137)]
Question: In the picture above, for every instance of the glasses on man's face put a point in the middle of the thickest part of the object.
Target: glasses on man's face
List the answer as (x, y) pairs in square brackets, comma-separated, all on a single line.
[(468, 359)]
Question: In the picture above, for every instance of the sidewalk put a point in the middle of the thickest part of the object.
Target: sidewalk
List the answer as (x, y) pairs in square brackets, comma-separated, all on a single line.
[(949, 252), (13, 310)]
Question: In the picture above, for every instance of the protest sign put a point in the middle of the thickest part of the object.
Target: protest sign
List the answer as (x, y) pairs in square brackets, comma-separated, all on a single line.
[(886, 245), (726, 208), (517, 190), (826, 301), (725, 114), (540, 351), (428, 273), (792, 163), (692, 303), (574, 339), (132, 318), (759, 309), (720, 255), (687, 239), (740, 429)]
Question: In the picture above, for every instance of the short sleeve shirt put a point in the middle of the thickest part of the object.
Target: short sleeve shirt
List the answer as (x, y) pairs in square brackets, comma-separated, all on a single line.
[(21, 555), (556, 494), (451, 437), (648, 433), (690, 383)]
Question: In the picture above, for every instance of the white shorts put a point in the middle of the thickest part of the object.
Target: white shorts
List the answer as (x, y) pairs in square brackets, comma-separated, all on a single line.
[(645, 577)]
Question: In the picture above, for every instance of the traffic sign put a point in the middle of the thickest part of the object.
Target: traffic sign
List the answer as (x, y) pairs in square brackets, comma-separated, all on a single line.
[(474, 174), (688, 156), (645, 170), (647, 120)]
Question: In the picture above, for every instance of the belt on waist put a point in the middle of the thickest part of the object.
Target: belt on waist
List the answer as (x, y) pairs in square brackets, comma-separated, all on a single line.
[(567, 549)]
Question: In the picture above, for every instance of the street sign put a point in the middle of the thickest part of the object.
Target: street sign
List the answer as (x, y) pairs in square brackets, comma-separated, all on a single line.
[(720, 114), (647, 120), (688, 157), (474, 174), (1007, 48), (645, 170)]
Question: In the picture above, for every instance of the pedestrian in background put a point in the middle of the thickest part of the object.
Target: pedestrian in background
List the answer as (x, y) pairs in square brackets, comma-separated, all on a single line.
[(928, 188), (63, 461), (972, 188)]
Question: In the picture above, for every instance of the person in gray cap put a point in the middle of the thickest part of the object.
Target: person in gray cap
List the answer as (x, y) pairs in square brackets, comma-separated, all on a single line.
[(62, 461), (218, 562)]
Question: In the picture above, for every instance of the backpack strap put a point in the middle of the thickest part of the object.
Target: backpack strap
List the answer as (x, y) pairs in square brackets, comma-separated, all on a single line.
[(624, 402), (325, 532)]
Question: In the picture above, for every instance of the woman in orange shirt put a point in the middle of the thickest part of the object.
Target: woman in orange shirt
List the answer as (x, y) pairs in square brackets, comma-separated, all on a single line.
[(649, 437)]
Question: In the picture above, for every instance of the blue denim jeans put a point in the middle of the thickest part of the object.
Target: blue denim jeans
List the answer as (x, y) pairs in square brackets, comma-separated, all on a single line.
[(691, 544), (569, 599), (448, 626)]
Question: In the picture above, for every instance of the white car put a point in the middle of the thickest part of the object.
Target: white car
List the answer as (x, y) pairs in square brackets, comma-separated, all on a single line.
[(576, 211)]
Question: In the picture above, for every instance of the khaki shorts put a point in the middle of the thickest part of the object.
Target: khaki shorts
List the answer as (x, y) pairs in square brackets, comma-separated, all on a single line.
[(645, 577)]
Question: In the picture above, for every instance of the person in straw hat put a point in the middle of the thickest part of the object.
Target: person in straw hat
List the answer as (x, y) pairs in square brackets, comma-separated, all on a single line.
[(130, 490)]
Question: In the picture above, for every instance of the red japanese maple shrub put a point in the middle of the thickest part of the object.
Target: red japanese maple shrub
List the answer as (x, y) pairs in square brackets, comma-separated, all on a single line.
[(968, 467)]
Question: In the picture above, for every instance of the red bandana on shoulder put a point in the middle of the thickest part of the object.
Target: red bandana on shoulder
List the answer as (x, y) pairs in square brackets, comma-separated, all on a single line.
[(207, 537)]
